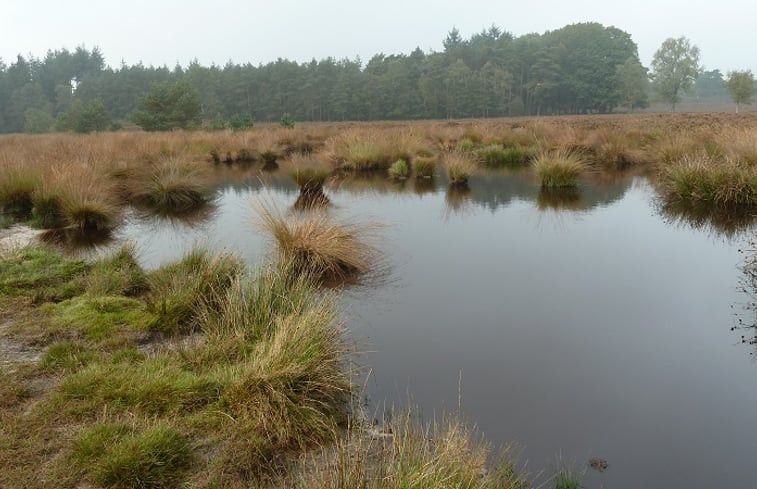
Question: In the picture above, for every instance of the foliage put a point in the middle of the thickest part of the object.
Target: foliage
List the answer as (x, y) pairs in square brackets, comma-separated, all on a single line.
[(286, 121), (84, 117), (169, 105), (675, 67), (741, 86), (632, 84)]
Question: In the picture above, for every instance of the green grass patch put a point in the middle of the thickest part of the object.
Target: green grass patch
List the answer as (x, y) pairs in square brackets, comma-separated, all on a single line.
[(98, 318), (178, 290), (41, 274), (496, 156), (117, 274), (117, 456), (399, 170), (156, 386), (66, 356), (703, 179), (424, 167)]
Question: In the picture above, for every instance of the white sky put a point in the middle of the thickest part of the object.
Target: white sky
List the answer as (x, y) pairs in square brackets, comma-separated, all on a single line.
[(170, 31)]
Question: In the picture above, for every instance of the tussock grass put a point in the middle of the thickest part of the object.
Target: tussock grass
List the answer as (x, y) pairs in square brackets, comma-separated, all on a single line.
[(399, 170), (308, 172), (424, 167), (17, 186), (313, 243), (47, 209), (88, 202), (445, 454), (117, 274), (460, 166), (177, 290), (372, 150), (497, 156), (559, 168), (700, 178), (567, 477), (172, 185), (114, 455)]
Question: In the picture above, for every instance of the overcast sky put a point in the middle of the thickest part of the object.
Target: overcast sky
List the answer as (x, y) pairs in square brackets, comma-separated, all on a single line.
[(169, 31)]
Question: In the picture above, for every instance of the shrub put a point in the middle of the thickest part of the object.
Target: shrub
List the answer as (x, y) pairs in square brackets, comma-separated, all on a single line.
[(559, 168), (286, 121)]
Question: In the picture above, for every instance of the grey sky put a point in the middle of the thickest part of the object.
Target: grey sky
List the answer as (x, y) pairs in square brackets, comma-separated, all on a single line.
[(169, 31)]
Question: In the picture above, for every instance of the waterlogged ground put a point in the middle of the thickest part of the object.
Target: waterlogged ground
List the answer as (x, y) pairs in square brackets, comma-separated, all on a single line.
[(577, 326)]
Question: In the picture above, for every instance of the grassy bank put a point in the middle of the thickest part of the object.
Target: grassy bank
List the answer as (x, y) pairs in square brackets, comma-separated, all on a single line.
[(199, 374)]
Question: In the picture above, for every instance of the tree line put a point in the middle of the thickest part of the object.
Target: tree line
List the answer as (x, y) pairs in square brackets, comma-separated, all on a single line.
[(578, 69)]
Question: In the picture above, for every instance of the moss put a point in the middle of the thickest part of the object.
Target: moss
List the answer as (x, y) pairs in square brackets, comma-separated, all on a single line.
[(98, 318)]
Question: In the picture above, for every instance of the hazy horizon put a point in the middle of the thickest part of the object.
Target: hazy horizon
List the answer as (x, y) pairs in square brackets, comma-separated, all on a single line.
[(258, 32)]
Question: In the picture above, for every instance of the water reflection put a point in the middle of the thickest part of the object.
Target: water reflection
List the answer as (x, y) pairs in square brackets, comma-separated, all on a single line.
[(730, 223), (568, 198), (76, 239), (457, 199)]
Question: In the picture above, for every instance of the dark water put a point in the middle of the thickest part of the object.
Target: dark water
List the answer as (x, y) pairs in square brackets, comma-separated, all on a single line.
[(584, 325)]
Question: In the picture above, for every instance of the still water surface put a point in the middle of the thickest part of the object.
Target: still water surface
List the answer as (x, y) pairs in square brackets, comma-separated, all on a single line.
[(579, 326)]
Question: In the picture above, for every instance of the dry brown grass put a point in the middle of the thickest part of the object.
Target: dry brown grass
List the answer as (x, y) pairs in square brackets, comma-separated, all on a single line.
[(316, 244)]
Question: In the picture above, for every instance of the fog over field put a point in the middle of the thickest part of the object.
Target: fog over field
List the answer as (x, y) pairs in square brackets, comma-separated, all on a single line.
[(172, 31)]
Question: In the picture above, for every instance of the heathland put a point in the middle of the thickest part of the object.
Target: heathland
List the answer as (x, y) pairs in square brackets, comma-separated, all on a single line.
[(208, 372)]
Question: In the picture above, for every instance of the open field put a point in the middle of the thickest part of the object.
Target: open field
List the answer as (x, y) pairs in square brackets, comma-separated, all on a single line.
[(207, 372)]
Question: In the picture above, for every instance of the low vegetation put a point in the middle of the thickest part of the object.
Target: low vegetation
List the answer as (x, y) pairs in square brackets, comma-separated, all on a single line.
[(703, 179), (172, 185), (460, 166), (316, 244), (399, 170), (558, 169)]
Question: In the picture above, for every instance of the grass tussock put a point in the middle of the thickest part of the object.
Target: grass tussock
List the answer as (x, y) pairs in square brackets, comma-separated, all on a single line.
[(558, 169), (498, 156), (115, 455), (172, 185), (117, 274), (372, 150), (424, 167), (88, 202), (177, 290), (98, 318), (460, 167), (399, 170), (703, 179), (315, 244), (443, 455), (17, 186)]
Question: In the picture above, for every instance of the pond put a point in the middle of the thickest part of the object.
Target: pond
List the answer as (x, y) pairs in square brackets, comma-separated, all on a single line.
[(583, 325)]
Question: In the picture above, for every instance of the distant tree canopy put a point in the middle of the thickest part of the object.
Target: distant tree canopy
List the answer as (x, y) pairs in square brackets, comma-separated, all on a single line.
[(675, 68), (169, 105), (741, 86), (580, 68)]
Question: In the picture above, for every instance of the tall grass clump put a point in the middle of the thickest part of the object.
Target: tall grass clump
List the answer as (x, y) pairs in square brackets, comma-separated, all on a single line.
[(117, 274), (399, 170), (172, 185), (177, 290), (424, 167), (460, 166), (700, 178), (310, 175), (496, 156), (445, 454), (365, 151), (87, 201), (316, 244), (558, 168), (17, 186), (47, 209)]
